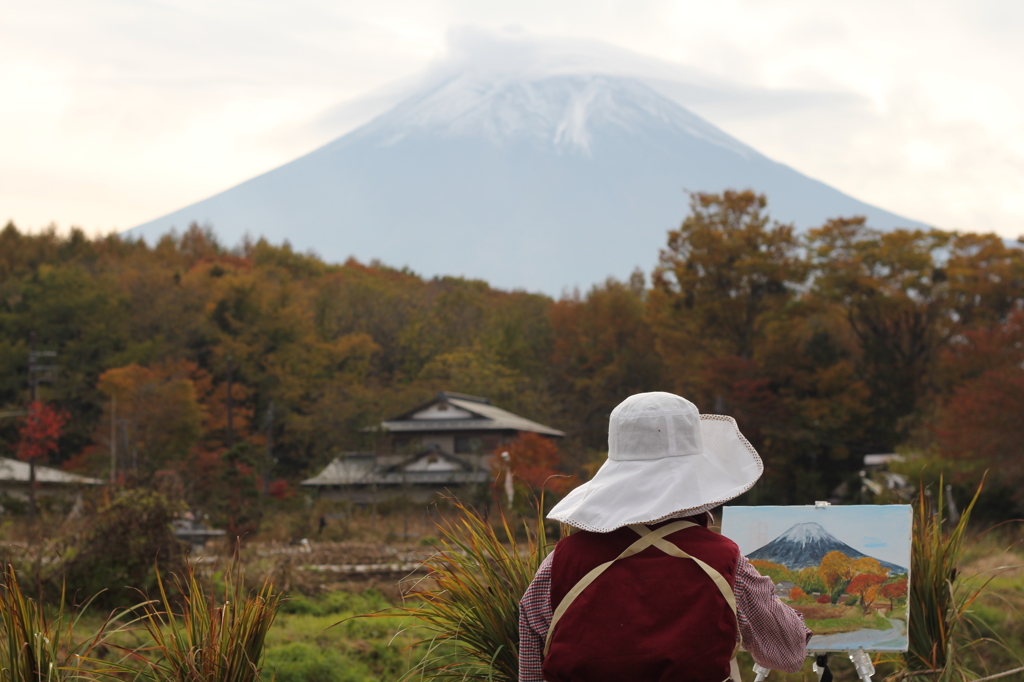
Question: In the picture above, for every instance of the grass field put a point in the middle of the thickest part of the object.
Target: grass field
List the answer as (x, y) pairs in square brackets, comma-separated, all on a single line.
[(322, 639), (829, 619), (325, 640)]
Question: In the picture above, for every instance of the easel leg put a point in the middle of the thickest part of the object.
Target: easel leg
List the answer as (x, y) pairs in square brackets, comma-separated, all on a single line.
[(862, 662), (820, 668)]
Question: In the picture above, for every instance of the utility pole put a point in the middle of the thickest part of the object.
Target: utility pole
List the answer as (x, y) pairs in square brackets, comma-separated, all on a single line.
[(230, 438), (32, 385), (113, 440), (270, 448), (36, 373)]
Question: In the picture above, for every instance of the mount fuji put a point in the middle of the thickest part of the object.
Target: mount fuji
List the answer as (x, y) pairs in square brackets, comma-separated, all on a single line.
[(541, 182), (805, 544)]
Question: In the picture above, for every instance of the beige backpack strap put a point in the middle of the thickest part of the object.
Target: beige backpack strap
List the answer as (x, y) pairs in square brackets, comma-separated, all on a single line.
[(670, 549), (640, 545), (720, 581)]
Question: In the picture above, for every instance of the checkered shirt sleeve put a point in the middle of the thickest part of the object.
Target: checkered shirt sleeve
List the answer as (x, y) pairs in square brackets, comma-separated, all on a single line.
[(534, 619), (773, 633)]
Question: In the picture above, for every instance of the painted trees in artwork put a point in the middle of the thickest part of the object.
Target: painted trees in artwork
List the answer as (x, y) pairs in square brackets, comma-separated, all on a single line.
[(869, 565), (777, 572), (809, 579), (836, 570), (894, 591), (865, 586)]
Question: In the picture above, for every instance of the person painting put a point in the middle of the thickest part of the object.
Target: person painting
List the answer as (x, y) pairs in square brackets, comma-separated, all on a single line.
[(644, 591)]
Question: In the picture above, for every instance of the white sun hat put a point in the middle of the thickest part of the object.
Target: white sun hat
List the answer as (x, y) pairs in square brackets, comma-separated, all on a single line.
[(665, 459)]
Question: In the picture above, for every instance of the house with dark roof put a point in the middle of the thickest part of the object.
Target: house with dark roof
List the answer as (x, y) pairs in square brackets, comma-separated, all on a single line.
[(445, 444)]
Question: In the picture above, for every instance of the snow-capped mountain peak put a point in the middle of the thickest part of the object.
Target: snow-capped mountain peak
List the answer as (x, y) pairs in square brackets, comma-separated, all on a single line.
[(566, 112), (533, 178)]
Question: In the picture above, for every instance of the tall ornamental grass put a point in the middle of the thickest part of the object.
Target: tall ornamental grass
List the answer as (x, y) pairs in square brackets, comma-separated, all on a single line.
[(940, 597), (39, 644), (473, 615), (207, 640)]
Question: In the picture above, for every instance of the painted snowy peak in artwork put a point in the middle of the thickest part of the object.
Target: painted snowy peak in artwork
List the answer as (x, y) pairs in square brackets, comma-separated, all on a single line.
[(805, 544)]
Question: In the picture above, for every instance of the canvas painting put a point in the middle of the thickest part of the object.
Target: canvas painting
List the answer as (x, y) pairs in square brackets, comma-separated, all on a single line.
[(845, 568)]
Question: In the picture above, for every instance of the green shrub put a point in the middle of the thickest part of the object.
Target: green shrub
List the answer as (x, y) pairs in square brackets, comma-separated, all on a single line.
[(114, 559)]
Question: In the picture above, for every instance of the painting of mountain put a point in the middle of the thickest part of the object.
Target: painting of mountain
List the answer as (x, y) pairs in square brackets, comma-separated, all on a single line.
[(806, 544), (844, 568)]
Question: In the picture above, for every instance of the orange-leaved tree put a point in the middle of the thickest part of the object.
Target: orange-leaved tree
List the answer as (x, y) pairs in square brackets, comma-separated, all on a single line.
[(158, 417)]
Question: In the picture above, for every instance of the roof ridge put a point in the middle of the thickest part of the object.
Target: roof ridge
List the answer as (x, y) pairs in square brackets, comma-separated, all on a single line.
[(444, 395)]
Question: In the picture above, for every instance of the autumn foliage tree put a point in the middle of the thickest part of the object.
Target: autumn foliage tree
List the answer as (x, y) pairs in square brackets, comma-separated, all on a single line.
[(37, 440), (158, 416), (906, 294), (730, 268), (534, 460), (603, 350), (979, 426), (741, 333), (39, 432)]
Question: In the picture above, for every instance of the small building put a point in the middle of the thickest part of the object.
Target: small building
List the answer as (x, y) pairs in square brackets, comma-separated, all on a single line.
[(15, 479), (446, 444), (63, 487)]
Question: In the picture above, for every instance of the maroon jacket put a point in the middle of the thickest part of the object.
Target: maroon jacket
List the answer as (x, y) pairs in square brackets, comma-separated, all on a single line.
[(650, 617)]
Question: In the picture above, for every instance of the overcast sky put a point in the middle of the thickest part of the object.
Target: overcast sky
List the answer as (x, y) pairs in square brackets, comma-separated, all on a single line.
[(113, 112)]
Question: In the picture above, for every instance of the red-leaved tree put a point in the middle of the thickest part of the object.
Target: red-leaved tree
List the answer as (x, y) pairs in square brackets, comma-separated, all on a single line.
[(39, 432), (37, 438), (534, 460)]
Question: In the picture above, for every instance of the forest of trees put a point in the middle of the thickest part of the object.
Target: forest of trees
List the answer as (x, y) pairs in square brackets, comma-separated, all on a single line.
[(825, 345)]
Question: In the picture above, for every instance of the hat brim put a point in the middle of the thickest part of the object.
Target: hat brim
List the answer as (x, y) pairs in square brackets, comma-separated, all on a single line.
[(648, 491)]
